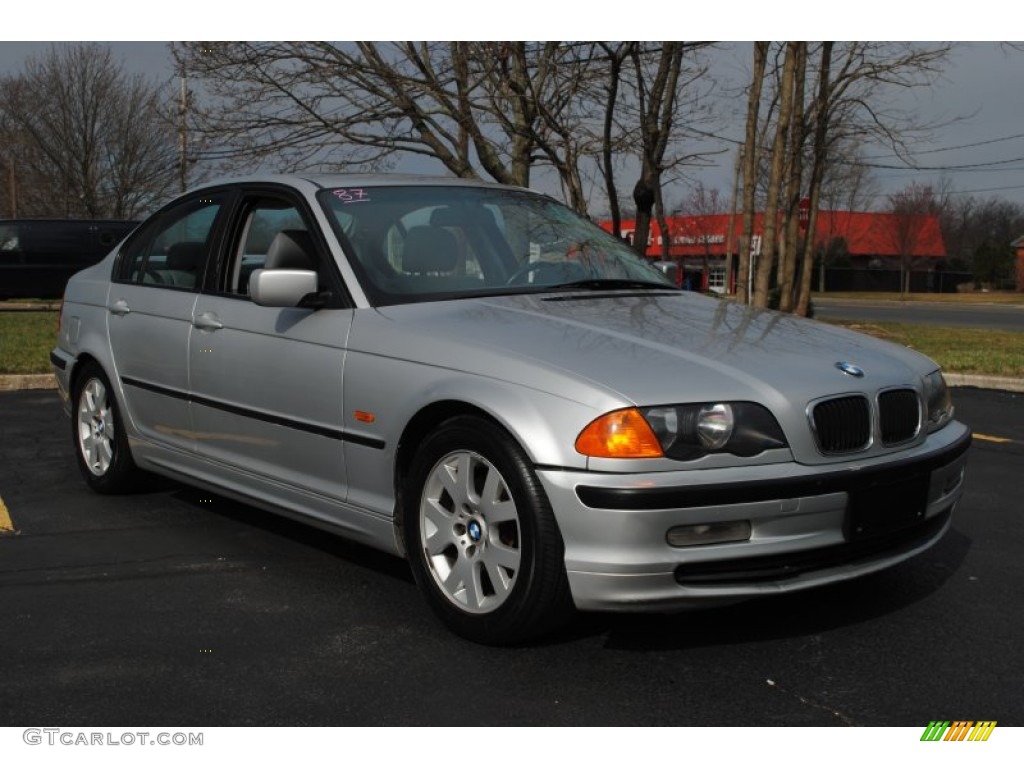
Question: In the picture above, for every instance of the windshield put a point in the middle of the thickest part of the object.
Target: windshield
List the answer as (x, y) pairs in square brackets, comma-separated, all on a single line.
[(422, 243)]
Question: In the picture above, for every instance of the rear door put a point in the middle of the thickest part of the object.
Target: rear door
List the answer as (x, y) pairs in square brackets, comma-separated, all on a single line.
[(150, 304)]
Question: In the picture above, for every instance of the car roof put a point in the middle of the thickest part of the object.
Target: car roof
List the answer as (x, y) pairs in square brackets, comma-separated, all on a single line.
[(73, 222), (332, 180)]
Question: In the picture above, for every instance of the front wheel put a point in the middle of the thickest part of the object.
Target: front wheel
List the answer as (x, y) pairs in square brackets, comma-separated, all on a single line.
[(483, 543), (101, 445)]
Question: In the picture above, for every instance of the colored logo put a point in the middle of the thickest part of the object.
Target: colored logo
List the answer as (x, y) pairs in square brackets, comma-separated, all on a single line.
[(958, 730)]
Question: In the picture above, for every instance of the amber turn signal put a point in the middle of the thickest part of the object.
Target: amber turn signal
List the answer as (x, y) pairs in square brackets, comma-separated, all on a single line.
[(621, 434)]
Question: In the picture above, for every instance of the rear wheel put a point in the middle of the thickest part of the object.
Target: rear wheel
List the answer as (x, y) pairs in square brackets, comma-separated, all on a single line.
[(481, 537), (101, 445)]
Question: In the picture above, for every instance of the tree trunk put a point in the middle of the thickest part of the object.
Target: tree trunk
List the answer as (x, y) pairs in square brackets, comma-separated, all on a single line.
[(730, 236), (643, 196), (818, 164), (794, 173), (659, 210), (762, 281), (750, 155), (615, 60)]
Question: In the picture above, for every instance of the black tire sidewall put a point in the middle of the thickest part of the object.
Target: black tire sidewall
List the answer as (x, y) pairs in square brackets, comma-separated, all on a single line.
[(533, 604)]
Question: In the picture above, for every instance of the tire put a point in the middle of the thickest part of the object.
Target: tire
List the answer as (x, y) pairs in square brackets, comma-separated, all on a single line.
[(101, 445), (482, 541)]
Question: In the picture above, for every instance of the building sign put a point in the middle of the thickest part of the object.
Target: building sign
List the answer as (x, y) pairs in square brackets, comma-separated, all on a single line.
[(652, 239), (698, 240)]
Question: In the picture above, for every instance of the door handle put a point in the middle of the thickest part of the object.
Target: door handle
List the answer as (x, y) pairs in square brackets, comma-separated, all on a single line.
[(207, 321), (119, 307)]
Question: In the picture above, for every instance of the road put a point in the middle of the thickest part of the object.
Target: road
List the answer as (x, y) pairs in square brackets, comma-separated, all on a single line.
[(987, 316), (174, 606)]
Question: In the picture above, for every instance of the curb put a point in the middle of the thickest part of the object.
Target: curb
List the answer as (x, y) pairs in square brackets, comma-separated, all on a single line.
[(1007, 383), (9, 383)]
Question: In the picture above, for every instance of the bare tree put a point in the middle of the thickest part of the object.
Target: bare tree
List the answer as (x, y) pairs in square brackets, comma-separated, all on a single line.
[(562, 109), (613, 141), (481, 109), (819, 169), (28, 191), (651, 95), (911, 209), (854, 80), (656, 96), (968, 221), (491, 109), (848, 103), (702, 204), (848, 183), (86, 135)]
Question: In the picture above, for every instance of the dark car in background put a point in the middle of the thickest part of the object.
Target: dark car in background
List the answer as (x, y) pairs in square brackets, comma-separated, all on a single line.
[(38, 256)]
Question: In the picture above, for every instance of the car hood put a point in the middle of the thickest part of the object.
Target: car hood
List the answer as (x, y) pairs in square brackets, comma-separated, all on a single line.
[(649, 348)]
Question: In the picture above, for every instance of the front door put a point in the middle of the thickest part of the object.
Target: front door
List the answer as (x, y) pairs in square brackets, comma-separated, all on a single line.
[(267, 382)]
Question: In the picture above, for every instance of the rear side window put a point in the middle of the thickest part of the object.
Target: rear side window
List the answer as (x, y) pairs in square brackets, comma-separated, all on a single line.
[(171, 251)]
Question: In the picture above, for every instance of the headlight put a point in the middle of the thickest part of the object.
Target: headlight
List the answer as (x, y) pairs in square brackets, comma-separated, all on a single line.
[(683, 432), (714, 425), (938, 404)]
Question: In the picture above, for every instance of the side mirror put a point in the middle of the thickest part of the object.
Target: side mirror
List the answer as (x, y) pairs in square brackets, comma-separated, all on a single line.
[(281, 287)]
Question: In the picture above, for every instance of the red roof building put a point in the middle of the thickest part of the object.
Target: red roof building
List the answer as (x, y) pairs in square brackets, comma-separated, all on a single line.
[(871, 239), (871, 235)]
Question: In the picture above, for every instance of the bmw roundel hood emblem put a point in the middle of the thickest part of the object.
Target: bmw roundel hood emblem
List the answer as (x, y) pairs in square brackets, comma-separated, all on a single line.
[(850, 369)]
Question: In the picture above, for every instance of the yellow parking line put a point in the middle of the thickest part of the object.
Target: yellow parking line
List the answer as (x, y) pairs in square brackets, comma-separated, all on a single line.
[(5, 518), (991, 439)]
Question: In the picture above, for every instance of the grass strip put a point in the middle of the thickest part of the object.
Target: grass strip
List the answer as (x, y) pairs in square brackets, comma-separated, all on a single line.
[(26, 339), (957, 350), (974, 297)]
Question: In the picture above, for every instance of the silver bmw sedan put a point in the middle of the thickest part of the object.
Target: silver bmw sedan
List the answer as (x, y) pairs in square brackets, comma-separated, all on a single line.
[(475, 378)]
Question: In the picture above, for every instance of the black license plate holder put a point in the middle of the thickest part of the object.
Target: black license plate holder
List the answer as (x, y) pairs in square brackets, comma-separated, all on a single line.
[(885, 507)]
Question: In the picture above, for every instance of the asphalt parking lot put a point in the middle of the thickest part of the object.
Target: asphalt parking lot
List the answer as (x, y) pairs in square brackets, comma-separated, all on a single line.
[(180, 607)]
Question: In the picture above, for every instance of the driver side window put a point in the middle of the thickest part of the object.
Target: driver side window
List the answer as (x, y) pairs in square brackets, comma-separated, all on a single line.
[(264, 221)]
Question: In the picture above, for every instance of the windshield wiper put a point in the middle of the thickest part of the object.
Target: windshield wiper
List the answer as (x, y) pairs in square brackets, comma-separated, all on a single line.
[(609, 284)]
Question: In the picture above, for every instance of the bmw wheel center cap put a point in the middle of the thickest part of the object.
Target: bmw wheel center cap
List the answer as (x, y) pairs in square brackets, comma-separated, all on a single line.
[(474, 530)]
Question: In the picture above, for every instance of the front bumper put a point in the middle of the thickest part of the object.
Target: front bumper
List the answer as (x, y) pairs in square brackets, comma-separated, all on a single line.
[(615, 526)]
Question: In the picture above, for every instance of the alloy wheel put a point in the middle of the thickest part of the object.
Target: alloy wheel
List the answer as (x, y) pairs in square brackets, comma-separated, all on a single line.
[(95, 427), (469, 531)]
